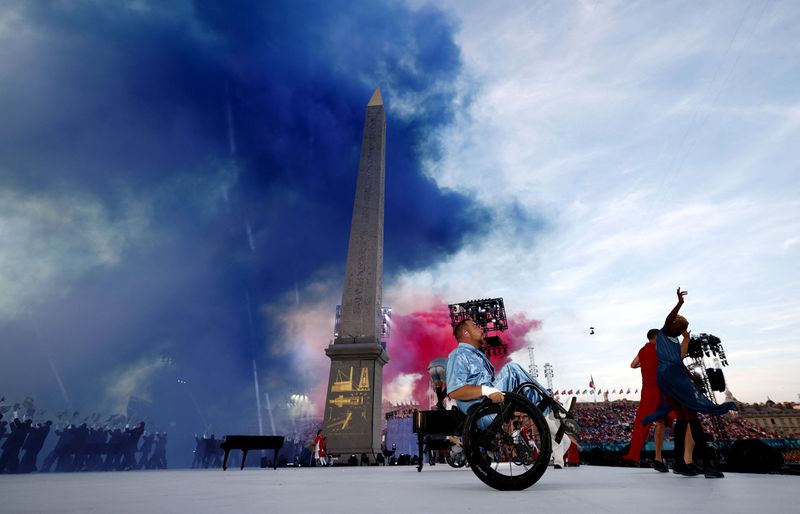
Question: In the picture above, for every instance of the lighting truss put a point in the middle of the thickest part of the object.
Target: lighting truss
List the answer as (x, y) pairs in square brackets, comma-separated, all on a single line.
[(490, 315), (386, 323), (709, 375), (708, 345)]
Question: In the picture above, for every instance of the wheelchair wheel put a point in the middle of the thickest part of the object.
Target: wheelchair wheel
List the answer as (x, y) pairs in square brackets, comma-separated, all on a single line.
[(455, 456), (568, 424), (507, 444)]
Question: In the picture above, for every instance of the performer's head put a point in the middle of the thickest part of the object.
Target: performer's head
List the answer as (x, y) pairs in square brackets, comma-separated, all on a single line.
[(467, 331), (651, 335), (678, 327)]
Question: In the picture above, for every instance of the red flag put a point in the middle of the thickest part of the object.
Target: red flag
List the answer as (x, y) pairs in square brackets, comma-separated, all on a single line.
[(569, 392), (564, 392), (591, 382)]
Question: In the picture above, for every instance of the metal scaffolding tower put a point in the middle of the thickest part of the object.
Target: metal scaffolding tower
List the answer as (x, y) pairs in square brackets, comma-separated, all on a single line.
[(548, 375), (533, 369)]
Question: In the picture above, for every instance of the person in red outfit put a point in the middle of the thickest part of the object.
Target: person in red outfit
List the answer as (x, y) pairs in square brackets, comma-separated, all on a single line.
[(319, 449), (574, 455), (647, 361)]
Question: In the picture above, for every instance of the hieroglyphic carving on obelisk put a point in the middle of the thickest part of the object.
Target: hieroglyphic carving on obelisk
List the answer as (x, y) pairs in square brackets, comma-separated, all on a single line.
[(353, 403)]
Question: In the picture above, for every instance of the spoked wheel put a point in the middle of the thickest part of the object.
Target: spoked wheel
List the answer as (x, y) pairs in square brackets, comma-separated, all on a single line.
[(455, 456), (567, 423), (507, 444)]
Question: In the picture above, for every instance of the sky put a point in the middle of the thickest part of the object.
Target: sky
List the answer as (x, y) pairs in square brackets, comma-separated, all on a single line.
[(176, 186), (654, 143)]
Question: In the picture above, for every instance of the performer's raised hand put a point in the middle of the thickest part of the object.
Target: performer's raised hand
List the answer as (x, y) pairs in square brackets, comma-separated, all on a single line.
[(681, 294)]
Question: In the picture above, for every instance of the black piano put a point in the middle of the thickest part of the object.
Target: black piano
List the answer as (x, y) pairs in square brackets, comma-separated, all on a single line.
[(251, 442), (433, 426)]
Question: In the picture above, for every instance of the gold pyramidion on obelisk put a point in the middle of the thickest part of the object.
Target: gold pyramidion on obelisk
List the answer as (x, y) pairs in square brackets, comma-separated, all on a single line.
[(376, 99), (353, 404)]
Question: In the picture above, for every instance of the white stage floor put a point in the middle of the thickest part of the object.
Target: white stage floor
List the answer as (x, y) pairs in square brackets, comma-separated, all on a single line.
[(587, 489)]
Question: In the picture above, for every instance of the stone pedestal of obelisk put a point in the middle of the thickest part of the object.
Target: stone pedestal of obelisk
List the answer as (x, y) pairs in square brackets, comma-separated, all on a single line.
[(353, 403)]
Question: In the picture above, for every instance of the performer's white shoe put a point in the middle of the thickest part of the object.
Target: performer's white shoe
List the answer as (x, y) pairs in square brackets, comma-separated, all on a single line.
[(552, 423)]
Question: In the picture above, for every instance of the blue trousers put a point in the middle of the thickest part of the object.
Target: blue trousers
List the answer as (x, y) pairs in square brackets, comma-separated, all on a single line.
[(510, 376)]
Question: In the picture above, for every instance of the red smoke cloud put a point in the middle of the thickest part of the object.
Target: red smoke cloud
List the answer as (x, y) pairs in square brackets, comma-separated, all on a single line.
[(422, 336)]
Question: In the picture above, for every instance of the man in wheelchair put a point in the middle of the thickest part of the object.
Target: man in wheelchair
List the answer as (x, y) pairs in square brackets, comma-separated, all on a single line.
[(471, 377)]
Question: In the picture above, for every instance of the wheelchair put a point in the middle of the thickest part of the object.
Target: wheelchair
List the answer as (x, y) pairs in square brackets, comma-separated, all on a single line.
[(507, 445)]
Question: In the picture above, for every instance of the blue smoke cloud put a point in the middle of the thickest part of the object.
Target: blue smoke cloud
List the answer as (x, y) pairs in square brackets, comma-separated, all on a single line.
[(219, 143)]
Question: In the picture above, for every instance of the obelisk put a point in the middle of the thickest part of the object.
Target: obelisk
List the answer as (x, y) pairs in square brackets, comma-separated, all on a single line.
[(353, 403)]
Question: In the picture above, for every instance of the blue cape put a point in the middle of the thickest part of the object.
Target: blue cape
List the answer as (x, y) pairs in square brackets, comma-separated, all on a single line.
[(674, 381)]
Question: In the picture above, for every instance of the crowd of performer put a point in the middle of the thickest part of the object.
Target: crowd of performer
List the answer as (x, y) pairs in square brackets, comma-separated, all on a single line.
[(207, 452), (79, 447)]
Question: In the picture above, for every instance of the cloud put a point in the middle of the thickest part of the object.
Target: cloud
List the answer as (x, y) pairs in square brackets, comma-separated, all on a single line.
[(133, 381), (181, 182), (47, 242), (647, 147), (401, 388)]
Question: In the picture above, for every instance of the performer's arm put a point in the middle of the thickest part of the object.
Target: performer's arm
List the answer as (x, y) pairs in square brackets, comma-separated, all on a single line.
[(458, 374), (471, 392), (672, 315), (635, 364), (685, 343)]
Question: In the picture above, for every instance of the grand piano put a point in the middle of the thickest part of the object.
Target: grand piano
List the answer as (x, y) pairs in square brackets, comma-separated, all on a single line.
[(251, 442)]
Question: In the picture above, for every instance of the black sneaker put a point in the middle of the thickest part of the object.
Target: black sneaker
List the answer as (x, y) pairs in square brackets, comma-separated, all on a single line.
[(680, 468), (660, 466), (556, 466), (694, 467), (713, 473)]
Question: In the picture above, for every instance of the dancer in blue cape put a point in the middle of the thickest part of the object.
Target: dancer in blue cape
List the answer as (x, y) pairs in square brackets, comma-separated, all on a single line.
[(680, 393)]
